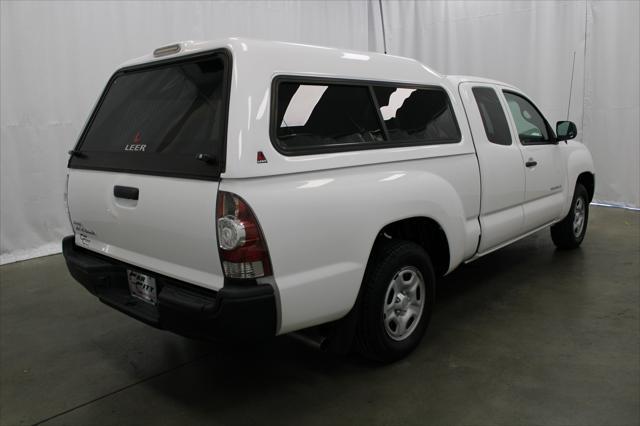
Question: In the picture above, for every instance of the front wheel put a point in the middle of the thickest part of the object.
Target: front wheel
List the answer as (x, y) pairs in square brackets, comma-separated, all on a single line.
[(569, 233), (399, 291)]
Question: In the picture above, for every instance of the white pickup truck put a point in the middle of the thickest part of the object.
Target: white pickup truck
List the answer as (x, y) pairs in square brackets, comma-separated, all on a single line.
[(244, 189)]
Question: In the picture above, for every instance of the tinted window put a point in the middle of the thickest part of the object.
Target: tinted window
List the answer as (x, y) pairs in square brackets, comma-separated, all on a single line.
[(530, 124), (312, 116), (321, 117), (171, 110), (493, 118), (412, 114), (156, 120)]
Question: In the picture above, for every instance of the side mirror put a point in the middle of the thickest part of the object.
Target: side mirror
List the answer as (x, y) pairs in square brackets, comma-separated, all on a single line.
[(566, 130)]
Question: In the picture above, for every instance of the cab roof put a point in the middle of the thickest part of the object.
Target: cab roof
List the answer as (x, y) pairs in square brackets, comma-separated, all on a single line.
[(457, 79)]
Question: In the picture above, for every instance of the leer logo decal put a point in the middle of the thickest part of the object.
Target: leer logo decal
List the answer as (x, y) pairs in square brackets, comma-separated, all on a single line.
[(137, 145)]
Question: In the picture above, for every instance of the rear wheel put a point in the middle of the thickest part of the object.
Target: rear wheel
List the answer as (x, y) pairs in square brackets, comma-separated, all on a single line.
[(399, 291), (569, 233)]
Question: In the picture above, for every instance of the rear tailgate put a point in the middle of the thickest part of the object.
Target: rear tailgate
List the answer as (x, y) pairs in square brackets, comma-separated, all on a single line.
[(139, 190), (170, 229)]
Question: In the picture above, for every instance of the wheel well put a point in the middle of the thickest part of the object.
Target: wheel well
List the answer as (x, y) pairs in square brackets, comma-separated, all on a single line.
[(425, 232), (589, 182)]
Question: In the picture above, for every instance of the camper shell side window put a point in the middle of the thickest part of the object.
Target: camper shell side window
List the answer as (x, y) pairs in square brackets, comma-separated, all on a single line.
[(316, 115)]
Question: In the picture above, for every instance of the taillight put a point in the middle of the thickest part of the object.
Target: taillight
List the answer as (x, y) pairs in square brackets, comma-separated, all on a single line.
[(242, 246)]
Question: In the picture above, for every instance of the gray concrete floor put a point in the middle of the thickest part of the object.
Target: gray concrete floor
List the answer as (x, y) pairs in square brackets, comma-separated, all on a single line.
[(527, 335)]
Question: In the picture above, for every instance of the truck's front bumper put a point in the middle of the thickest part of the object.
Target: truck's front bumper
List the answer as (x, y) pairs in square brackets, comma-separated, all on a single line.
[(237, 312)]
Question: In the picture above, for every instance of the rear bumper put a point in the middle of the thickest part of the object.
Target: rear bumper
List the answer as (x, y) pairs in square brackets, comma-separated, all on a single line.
[(238, 312)]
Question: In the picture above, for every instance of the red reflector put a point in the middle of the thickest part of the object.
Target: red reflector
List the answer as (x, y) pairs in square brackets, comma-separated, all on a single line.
[(261, 157)]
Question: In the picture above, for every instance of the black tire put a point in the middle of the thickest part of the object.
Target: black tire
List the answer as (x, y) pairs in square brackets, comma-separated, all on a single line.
[(564, 233), (373, 333)]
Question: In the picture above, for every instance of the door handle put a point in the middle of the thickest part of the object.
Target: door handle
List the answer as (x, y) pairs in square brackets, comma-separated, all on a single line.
[(127, 192), (531, 163)]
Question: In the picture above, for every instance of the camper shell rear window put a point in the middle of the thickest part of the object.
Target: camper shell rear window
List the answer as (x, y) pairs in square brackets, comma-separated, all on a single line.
[(166, 118), (316, 115)]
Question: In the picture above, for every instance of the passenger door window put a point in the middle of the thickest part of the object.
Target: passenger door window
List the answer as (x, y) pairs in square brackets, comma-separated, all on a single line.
[(493, 118), (531, 125)]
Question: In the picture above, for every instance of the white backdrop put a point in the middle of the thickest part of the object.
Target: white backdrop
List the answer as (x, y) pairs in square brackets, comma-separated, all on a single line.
[(531, 45), (56, 57)]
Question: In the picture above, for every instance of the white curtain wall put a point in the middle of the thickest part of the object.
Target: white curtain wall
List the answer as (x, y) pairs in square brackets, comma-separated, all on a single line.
[(532, 44), (57, 56)]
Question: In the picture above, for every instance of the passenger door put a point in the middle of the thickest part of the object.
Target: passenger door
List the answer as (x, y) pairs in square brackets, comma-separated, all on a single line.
[(501, 166), (543, 165)]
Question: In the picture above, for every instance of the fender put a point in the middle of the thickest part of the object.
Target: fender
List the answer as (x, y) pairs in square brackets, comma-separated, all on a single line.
[(320, 226), (578, 160), (443, 206)]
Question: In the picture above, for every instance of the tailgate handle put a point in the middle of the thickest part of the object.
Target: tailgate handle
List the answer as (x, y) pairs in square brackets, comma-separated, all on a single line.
[(127, 192)]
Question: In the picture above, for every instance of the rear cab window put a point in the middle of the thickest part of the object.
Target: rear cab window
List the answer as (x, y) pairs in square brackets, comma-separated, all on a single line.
[(159, 118), (315, 116), (494, 120)]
